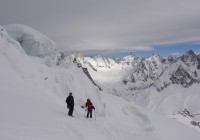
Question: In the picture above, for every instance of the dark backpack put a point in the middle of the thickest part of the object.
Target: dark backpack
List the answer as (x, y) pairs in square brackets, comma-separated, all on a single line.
[(70, 100)]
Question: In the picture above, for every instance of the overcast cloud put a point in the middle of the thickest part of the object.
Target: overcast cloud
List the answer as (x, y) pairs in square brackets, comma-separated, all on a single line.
[(107, 25)]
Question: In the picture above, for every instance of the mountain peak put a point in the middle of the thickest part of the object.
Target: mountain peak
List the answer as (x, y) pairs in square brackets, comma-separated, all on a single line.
[(156, 54), (189, 57), (190, 52), (154, 58)]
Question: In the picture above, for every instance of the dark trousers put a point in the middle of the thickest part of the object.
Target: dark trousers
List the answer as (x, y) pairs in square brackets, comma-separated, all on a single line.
[(89, 113), (71, 109)]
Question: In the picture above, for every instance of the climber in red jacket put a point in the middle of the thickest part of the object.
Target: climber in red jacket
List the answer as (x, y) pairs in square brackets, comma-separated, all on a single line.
[(89, 107)]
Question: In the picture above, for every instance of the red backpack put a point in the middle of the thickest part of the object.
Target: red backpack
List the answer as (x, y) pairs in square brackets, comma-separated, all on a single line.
[(89, 105)]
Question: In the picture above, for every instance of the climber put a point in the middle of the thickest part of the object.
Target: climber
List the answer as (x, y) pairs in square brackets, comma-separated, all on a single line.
[(89, 107), (70, 104)]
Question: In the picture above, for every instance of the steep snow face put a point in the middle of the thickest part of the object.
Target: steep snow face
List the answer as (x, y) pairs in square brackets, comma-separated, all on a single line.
[(33, 42), (6, 39)]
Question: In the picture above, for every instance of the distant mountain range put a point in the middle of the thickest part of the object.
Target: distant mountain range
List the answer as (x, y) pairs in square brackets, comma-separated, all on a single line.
[(154, 71)]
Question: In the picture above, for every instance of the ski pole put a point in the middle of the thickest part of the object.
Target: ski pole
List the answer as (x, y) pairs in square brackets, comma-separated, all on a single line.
[(76, 113), (85, 113), (94, 115)]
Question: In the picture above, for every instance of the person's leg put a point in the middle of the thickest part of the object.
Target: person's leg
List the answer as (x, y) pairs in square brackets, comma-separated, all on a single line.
[(90, 114), (70, 111)]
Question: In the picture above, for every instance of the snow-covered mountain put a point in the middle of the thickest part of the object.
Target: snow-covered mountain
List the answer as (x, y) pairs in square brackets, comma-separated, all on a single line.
[(33, 93), (154, 71), (147, 79)]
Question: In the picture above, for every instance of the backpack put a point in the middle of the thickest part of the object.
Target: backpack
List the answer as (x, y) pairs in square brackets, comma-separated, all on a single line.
[(70, 100)]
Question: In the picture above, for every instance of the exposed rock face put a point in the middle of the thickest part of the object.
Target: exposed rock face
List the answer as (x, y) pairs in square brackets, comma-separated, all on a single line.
[(182, 77)]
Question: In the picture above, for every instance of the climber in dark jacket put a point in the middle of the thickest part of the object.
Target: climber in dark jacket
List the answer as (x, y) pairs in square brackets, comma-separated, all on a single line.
[(70, 104)]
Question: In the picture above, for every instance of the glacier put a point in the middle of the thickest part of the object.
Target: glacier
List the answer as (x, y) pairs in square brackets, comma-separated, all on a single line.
[(33, 42)]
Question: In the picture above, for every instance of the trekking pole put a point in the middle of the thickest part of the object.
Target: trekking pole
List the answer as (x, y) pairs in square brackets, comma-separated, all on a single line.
[(85, 113), (76, 113), (94, 115)]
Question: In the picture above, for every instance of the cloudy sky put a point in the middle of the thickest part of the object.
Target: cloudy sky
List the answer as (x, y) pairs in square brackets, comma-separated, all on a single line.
[(110, 26)]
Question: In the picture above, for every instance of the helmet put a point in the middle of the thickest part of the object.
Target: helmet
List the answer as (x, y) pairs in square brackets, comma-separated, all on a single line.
[(70, 94)]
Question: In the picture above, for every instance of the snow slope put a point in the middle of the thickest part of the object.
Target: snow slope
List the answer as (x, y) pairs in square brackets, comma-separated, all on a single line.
[(32, 104)]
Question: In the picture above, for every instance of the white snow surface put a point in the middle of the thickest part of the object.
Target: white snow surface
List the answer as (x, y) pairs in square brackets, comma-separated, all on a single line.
[(33, 42), (32, 104)]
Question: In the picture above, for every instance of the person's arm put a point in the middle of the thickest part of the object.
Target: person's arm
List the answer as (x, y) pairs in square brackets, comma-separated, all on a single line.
[(92, 106)]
